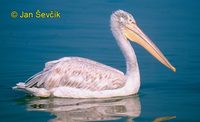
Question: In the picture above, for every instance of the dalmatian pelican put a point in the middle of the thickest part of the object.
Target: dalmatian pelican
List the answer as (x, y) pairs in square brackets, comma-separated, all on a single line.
[(76, 77)]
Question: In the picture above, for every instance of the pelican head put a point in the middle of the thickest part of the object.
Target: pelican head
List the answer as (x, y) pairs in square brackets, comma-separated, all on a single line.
[(123, 24)]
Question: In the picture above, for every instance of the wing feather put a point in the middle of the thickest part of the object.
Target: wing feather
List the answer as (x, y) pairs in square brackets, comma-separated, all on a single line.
[(78, 73)]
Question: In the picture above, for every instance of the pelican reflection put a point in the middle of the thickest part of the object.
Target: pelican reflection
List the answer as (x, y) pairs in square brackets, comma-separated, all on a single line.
[(70, 110)]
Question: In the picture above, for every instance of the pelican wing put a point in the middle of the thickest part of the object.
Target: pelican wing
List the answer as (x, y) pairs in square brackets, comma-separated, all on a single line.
[(78, 73)]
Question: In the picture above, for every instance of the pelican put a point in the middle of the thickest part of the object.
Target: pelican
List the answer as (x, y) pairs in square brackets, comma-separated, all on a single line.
[(76, 77)]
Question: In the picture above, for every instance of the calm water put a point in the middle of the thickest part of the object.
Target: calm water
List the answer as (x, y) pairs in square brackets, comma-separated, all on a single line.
[(83, 30)]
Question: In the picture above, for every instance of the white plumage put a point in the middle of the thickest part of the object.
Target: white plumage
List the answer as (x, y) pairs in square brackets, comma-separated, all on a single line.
[(83, 78), (78, 73)]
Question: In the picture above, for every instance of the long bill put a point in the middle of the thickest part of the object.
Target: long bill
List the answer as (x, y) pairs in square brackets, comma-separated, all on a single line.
[(133, 32)]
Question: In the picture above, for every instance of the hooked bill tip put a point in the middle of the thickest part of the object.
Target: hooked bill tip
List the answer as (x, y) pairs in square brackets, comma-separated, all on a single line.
[(173, 69)]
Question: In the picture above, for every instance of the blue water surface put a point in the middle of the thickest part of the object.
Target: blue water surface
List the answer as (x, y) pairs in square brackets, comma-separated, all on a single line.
[(84, 30)]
